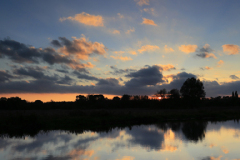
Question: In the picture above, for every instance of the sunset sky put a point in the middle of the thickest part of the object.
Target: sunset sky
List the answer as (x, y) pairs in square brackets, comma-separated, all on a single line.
[(58, 49)]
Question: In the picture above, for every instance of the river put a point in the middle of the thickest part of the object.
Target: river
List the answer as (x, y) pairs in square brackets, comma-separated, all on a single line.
[(196, 140)]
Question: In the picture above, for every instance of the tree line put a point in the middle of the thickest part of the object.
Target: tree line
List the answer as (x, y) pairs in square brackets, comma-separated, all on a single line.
[(191, 95)]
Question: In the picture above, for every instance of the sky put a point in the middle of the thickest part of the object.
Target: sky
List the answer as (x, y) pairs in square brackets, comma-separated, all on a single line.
[(55, 50)]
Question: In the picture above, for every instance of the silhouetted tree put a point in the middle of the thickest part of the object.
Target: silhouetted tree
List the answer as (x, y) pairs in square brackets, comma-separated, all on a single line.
[(126, 97), (174, 94), (233, 94), (92, 98), (99, 97), (162, 93), (193, 88), (144, 97), (81, 98), (236, 94), (136, 98), (38, 102), (116, 98)]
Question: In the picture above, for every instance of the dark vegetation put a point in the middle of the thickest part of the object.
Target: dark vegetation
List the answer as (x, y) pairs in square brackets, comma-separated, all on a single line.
[(95, 112), (191, 95)]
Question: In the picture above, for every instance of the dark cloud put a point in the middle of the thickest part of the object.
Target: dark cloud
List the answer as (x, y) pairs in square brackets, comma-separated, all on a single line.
[(34, 72), (62, 70), (213, 88), (151, 139), (205, 52), (85, 76), (234, 77), (56, 43), (21, 53), (5, 76), (65, 80), (117, 71), (108, 82), (145, 76), (52, 58)]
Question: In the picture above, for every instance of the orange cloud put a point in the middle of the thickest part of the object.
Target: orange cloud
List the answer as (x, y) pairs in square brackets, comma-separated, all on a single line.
[(168, 49), (81, 48), (79, 66), (116, 32), (127, 158), (149, 10), (120, 16), (224, 150), (231, 49), (188, 48), (148, 22), (210, 55), (148, 48), (220, 62), (119, 52), (130, 30), (87, 19), (207, 68), (142, 2), (76, 153), (166, 67), (168, 148), (212, 145), (122, 58), (133, 52), (213, 158)]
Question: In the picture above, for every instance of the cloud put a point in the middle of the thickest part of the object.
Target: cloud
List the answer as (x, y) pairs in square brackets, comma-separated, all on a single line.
[(119, 52), (4, 76), (85, 76), (231, 49), (220, 62), (80, 48), (122, 58), (87, 19), (21, 53), (168, 148), (188, 48), (120, 16), (168, 49), (224, 150), (142, 2), (130, 30), (108, 82), (212, 158), (127, 158), (35, 72), (205, 68), (148, 22), (145, 76), (148, 48), (234, 77), (116, 32), (204, 52), (120, 71), (65, 80), (167, 67), (133, 52), (149, 10)]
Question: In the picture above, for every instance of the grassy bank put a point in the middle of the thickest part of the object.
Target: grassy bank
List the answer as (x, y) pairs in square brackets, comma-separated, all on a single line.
[(22, 123)]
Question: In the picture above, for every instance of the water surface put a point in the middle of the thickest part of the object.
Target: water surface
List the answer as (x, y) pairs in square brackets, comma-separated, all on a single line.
[(166, 141)]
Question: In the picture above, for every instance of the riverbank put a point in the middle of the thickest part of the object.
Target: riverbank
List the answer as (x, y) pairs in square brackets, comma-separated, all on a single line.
[(29, 122)]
